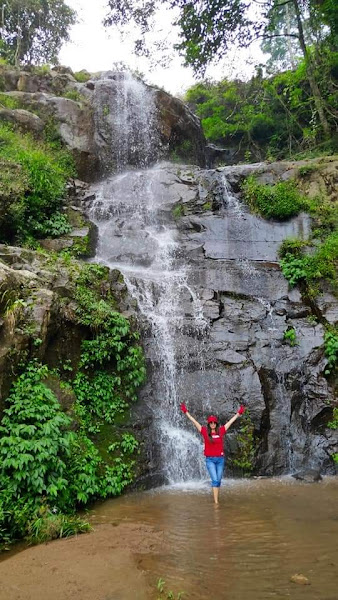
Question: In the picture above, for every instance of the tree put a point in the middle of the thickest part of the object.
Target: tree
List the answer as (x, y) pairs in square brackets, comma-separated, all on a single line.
[(32, 31), (209, 28)]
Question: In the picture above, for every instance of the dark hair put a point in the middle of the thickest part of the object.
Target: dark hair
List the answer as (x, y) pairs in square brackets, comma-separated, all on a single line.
[(209, 431)]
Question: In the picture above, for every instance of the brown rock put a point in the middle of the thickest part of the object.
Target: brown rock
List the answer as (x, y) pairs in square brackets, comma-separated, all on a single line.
[(300, 579), (26, 120)]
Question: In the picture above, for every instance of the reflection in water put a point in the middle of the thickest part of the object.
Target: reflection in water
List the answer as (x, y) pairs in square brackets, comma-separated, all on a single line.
[(247, 549)]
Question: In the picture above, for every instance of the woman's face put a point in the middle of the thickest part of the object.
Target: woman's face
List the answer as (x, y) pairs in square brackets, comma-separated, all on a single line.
[(213, 425)]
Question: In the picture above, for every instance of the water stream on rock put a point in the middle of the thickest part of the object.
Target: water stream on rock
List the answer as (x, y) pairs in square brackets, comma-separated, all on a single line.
[(137, 235)]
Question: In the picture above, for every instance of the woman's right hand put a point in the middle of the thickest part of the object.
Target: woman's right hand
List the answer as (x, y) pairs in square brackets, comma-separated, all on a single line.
[(183, 408)]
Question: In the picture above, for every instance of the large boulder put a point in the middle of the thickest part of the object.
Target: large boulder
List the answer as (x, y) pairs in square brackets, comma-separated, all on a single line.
[(180, 129)]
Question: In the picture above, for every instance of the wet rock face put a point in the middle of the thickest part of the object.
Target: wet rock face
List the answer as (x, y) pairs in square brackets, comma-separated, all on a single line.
[(232, 265), (233, 255)]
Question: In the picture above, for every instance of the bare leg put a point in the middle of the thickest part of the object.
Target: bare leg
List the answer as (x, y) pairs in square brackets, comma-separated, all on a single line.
[(215, 492)]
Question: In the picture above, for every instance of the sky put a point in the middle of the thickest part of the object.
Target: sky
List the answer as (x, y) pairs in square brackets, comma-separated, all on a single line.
[(95, 48)]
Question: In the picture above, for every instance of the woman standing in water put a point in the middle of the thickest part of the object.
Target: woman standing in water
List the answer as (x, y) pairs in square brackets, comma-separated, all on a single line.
[(213, 435)]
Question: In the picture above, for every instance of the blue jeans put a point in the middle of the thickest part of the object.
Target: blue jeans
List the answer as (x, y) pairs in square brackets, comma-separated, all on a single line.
[(215, 466)]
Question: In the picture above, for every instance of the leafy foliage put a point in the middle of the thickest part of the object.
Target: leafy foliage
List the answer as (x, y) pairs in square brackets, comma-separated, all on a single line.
[(272, 117), (280, 201), (34, 445), (82, 76), (334, 423), (246, 445), (331, 350), (209, 29), (50, 464), (290, 336), (311, 268), (32, 31), (34, 212)]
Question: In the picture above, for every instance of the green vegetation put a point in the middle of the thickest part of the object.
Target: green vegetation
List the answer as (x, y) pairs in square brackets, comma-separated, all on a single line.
[(32, 31), (82, 76), (73, 95), (246, 445), (334, 425), (290, 336), (310, 269), (34, 180), (280, 201), (182, 152), (268, 117), (53, 462), (178, 211), (306, 170), (331, 350), (8, 101), (167, 594)]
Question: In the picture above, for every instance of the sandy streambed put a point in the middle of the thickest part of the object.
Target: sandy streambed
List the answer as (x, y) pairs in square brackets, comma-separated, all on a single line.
[(101, 565)]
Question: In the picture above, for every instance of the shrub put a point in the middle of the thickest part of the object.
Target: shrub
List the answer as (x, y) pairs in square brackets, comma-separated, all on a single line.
[(178, 211), (290, 336), (35, 211), (306, 170), (82, 76), (331, 350), (8, 101), (334, 423), (73, 95), (34, 444), (310, 269), (281, 201), (246, 445)]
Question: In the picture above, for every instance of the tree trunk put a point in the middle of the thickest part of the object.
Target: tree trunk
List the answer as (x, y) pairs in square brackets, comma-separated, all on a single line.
[(318, 100), (288, 39)]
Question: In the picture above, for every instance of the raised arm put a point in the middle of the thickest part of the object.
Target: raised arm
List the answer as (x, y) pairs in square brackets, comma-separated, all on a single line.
[(239, 413), (196, 423)]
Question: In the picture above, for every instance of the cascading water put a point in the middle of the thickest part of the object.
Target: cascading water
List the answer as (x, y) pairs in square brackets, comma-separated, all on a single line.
[(137, 235), (125, 122)]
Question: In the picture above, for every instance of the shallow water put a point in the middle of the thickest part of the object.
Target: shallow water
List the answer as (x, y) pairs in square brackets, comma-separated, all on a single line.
[(262, 533)]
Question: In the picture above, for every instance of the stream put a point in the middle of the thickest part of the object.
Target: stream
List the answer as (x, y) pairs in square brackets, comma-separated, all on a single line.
[(263, 532)]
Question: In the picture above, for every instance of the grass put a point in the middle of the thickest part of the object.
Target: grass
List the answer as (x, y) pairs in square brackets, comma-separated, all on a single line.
[(82, 76), (33, 179), (178, 211), (8, 101), (50, 526), (74, 95)]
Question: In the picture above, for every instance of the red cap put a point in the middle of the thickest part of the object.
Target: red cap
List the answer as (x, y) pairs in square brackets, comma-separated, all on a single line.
[(212, 419)]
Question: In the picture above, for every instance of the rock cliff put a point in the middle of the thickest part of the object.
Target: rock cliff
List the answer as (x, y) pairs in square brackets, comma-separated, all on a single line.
[(230, 257)]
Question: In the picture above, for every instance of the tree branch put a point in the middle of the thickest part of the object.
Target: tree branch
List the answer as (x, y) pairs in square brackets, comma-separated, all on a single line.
[(269, 37)]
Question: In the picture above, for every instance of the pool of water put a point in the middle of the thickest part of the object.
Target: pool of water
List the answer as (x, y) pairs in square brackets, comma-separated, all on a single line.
[(263, 532)]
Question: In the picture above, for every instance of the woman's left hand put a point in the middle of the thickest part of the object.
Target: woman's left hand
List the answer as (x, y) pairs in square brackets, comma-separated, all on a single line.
[(241, 409)]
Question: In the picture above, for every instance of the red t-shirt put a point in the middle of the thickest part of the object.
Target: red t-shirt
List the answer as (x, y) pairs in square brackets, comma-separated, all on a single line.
[(214, 447)]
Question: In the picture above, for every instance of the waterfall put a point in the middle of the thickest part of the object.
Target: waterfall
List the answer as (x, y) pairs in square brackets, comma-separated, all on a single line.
[(137, 235), (125, 122)]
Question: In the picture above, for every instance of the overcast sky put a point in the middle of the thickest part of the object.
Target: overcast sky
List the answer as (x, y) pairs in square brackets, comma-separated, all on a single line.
[(95, 48)]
